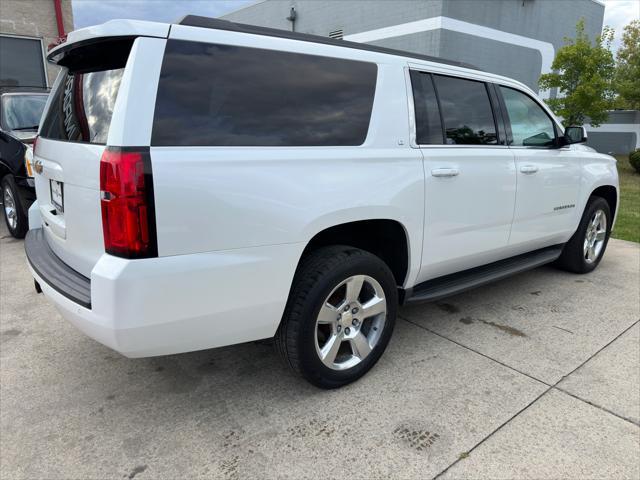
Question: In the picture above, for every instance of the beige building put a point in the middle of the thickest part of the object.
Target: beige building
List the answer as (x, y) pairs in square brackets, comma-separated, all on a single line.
[(27, 28)]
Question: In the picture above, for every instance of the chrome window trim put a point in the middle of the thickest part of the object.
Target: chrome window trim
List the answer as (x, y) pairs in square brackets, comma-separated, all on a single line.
[(462, 146)]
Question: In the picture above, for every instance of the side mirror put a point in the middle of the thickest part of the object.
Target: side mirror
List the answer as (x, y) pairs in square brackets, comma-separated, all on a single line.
[(574, 135)]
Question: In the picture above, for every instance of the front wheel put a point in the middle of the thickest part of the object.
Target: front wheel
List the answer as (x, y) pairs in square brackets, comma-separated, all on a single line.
[(585, 249), (339, 317)]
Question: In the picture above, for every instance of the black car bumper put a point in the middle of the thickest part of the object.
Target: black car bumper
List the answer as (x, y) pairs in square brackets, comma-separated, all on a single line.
[(54, 272), (26, 191)]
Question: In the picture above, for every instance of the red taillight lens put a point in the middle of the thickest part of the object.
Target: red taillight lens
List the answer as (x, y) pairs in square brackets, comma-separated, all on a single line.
[(126, 198)]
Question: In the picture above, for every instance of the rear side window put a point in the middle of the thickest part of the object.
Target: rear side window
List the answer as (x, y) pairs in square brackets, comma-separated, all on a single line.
[(428, 123), (220, 95), (82, 106), (466, 111)]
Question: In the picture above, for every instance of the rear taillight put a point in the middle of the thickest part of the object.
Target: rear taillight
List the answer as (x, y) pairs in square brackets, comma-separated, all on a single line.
[(126, 198), (29, 152)]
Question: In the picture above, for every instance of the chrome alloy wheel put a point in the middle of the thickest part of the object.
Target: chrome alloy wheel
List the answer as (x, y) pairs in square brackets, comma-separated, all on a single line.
[(595, 236), (10, 208), (350, 322)]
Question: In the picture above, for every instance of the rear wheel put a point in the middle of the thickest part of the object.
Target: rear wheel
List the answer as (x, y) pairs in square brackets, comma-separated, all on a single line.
[(585, 249), (14, 216), (339, 317)]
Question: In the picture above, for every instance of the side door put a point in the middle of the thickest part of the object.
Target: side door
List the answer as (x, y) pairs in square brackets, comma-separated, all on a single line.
[(470, 179), (548, 177)]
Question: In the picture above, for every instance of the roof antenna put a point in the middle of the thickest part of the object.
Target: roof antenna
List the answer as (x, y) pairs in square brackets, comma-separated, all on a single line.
[(292, 18)]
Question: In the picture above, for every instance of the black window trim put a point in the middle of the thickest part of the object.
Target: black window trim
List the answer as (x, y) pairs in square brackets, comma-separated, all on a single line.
[(498, 112), (413, 124), (497, 117), (507, 121)]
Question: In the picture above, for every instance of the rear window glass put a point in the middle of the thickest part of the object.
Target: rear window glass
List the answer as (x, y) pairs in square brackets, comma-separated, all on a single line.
[(466, 111), (219, 95), (82, 106)]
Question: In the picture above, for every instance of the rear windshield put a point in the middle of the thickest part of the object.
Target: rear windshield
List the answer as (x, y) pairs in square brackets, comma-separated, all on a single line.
[(220, 95), (82, 106)]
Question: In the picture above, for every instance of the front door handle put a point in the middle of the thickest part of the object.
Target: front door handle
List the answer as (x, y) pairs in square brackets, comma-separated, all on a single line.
[(445, 172), (528, 169)]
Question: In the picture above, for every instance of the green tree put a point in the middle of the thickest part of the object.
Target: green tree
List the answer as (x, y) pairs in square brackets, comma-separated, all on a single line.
[(583, 73), (627, 79)]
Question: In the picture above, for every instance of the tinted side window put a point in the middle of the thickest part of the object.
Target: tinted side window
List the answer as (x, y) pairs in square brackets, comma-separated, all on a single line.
[(82, 106), (220, 95), (466, 111), (530, 125), (428, 124)]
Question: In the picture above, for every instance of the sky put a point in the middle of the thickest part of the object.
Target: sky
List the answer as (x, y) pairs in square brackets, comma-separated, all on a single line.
[(617, 13), (92, 12)]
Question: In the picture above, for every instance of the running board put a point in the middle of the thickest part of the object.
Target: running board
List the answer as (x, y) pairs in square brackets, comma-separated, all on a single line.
[(448, 285)]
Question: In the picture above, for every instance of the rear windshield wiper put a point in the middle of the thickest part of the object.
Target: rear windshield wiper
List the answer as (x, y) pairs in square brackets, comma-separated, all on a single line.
[(34, 127)]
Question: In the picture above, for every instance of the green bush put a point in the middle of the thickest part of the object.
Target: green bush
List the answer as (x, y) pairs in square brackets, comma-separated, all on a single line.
[(634, 159)]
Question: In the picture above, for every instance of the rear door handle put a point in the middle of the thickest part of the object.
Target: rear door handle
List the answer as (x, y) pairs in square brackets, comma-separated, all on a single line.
[(445, 172), (528, 169)]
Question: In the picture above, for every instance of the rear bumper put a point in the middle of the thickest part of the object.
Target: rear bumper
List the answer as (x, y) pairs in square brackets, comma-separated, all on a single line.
[(182, 303), (59, 276)]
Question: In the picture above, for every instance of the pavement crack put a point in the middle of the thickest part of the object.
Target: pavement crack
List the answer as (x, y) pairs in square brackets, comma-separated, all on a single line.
[(547, 390), (563, 329), (595, 405), (474, 351), (468, 452)]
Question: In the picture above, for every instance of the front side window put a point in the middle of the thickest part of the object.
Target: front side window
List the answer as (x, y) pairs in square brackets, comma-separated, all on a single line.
[(428, 124), (466, 111), (22, 111), (530, 125), (221, 95), (82, 106)]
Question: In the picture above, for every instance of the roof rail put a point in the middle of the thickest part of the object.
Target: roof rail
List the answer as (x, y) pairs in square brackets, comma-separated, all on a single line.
[(218, 24)]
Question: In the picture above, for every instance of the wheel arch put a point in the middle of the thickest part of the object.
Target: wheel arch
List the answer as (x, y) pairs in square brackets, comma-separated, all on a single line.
[(4, 169), (386, 238), (610, 194)]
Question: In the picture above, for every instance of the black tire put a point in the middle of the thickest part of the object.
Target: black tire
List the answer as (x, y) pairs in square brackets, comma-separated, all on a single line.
[(319, 273), (573, 258), (22, 223)]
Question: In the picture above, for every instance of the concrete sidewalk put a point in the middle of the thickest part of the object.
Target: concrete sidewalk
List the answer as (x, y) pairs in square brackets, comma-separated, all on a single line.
[(537, 376)]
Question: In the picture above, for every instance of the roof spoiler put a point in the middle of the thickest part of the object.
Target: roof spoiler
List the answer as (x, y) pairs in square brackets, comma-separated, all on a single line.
[(111, 30)]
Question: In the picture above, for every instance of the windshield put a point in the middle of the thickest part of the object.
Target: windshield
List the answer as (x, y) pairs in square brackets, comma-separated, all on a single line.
[(21, 111)]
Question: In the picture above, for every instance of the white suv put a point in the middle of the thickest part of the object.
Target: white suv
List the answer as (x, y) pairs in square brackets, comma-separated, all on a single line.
[(206, 183)]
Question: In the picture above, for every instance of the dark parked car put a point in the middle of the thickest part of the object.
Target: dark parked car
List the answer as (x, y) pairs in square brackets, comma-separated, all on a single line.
[(20, 112)]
